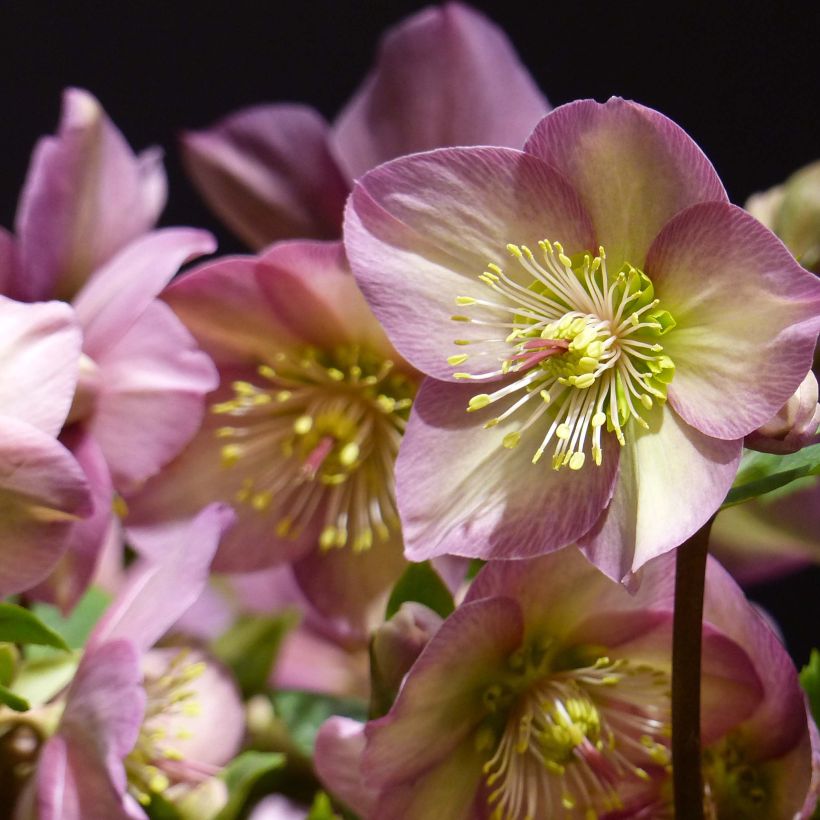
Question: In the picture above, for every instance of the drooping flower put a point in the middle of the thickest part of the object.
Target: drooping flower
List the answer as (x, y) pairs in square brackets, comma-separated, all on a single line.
[(446, 76), (546, 694), (302, 431), (640, 329), (136, 720), (43, 491), (83, 234)]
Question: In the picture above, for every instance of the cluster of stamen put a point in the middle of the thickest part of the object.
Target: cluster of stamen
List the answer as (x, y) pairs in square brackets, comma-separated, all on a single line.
[(318, 436), (582, 343), (155, 762), (733, 786), (561, 742)]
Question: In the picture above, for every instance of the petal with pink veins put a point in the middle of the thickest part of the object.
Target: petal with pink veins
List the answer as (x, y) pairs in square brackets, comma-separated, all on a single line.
[(338, 760), (86, 196), (747, 318), (420, 230), (633, 168), (269, 173), (446, 76)]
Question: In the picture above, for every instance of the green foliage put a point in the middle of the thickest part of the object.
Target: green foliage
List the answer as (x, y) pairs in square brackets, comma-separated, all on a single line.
[(421, 583), (304, 712), (13, 701), (322, 809), (240, 776), (810, 681), (249, 649), (760, 473), (19, 625), (75, 627)]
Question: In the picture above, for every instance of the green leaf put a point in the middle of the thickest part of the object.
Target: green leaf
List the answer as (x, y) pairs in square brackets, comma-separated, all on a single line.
[(322, 809), (240, 776), (9, 658), (250, 647), (421, 583), (761, 473), (77, 626), (19, 625), (13, 701), (161, 809), (810, 681), (304, 712)]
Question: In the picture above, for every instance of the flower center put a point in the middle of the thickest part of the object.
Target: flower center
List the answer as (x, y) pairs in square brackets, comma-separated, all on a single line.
[(582, 345), (733, 786), (155, 763), (318, 437), (563, 742)]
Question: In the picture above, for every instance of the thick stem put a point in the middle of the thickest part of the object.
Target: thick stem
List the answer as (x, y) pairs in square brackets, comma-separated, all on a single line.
[(690, 577)]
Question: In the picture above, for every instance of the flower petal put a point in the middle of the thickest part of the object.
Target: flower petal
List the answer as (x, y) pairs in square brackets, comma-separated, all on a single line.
[(633, 168), (119, 292), (42, 491), (154, 371), (338, 757), (268, 172), (86, 196), (441, 702), (39, 362), (447, 76), (158, 592), (420, 230), (460, 491), (672, 479), (747, 318)]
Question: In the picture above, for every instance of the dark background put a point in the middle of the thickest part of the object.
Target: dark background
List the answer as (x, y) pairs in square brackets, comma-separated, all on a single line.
[(741, 79)]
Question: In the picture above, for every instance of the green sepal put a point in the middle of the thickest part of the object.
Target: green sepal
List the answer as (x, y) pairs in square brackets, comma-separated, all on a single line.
[(420, 583), (663, 318), (249, 648), (161, 809), (322, 809), (13, 701), (19, 625), (760, 473), (810, 681), (242, 774), (9, 658)]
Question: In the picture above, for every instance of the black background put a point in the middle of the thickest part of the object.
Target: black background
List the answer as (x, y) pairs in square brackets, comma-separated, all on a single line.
[(742, 79)]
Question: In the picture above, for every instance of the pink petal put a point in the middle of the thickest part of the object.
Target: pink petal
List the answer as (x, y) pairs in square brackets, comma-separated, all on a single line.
[(71, 576), (42, 492), (86, 196), (39, 362), (644, 518), (461, 491), (747, 318), (338, 761), (154, 371), (441, 702), (269, 174), (420, 230), (119, 292), (633, 168), (314, 295), (158, 592), (446, 76), (8, 261), (210, 298)]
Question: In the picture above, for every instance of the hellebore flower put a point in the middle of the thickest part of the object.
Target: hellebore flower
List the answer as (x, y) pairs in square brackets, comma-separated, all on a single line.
[(303, 430), (546, 694), (136, 719), (43, 491), (84, 234), (642, 327), (446, 76)]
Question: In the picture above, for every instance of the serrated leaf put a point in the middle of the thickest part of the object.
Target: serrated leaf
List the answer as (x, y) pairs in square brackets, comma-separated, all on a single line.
[(13, 701), (19, 625), (249, 649), (420, 583), (810, 681), (240, 776), (761, 473)]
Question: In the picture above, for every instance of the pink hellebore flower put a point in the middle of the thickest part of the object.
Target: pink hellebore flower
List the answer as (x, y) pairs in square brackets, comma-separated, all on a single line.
[(303, 430), (43, 491), (83, 233), (446, 76), (136, 719), (546, 694), (641, 327)]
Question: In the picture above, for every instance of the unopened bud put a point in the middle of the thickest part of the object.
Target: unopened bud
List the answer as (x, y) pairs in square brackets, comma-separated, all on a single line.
[(795, 426)]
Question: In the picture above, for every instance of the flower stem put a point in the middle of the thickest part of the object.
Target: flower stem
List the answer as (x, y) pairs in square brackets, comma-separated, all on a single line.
[(690, 577)]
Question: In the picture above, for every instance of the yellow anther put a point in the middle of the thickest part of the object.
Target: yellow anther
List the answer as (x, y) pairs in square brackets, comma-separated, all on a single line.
[(598, 419), (303, 425), (349, 454), (335, 374), (583, 381), (283, 526), (478, 401), (565, 260), (562, 431), (225, 432), (577, 461), (328, 537), (261, 501), (465, 300), (459, 358), (515, 251), (283, 395), (491, 423), (230, 454), (646, 401), (459, 318), (266, 371), (511, 440), (545, 396), (119, 506)]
